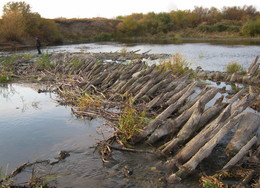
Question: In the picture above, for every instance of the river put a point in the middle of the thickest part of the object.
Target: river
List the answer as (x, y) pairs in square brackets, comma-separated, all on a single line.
[(210, 56)]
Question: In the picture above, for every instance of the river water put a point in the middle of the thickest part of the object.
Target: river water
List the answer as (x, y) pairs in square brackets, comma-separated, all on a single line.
[(212, 57)]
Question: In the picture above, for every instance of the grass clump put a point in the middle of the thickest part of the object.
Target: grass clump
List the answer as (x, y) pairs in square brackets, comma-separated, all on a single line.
[(211, 182), (123, 51), (130, 122), (44, 62), (177, 64), (234, 67), (5, 76), (88, 101), (76, 62)]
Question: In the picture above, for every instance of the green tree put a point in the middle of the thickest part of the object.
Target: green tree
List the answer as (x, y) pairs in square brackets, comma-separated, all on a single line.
[(252, 27)]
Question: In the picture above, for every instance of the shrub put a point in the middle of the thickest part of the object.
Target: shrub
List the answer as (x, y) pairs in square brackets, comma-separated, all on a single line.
[(251, 28), (177, 64), (234, 67), (130, 122)]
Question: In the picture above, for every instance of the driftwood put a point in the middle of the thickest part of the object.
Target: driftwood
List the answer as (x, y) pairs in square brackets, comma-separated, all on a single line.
[(246, 130)]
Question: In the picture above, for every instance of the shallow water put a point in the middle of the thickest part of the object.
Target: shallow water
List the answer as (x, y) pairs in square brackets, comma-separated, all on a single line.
[(213, 57), (33, 126)]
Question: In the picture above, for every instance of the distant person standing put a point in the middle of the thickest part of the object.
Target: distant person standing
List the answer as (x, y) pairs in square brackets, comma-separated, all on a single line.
[(38, 45)]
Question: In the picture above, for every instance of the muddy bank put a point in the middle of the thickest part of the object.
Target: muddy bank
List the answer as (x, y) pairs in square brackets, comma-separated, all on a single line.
[(186, 121)]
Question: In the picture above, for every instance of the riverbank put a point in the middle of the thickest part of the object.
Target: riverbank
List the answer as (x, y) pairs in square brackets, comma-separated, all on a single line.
[(181, 119), (14, 46)]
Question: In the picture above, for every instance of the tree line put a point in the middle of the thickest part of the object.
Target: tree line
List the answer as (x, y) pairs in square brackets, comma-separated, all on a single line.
[(20, 24), (245, 20)]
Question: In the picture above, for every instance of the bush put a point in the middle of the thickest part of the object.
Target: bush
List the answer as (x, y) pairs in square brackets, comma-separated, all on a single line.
[(130, 122), (177, 64), (234, 67), (251, 28)]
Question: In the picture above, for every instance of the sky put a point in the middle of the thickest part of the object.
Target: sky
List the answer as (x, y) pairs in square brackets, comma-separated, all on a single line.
[(113, 8)]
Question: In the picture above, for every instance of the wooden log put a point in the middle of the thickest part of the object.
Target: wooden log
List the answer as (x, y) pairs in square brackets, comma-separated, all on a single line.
[(158, 86), (206, 150), (252, 64), (173, 126), (193, 101), (125, 84), (175, 83), (211, 129), (254, 69), (139, 90), (165, 114), (178, 95), (240, 154), (143, 81), (154, 101), (200, 139), (187, 130), (246, 130), (233, 77), (237, 95), (212, 112), (166, 96), (144, 90), (132, 70)]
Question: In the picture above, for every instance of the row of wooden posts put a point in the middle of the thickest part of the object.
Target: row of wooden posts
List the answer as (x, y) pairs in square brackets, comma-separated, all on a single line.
[(187, 126)]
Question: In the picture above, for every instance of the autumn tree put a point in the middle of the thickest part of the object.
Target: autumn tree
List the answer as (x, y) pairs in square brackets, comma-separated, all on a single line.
[(20, 24)]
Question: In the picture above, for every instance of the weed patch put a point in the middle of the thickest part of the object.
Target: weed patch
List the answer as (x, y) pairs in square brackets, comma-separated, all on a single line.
[(234, 67), (130, 122), (43, 62), (177, 64)]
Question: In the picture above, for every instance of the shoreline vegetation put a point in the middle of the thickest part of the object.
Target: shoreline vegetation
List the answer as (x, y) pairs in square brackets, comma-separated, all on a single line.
[(158, 109), (19, 26)]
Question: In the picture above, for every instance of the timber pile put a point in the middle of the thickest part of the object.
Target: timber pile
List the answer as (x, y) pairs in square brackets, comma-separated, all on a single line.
[(188, 121)]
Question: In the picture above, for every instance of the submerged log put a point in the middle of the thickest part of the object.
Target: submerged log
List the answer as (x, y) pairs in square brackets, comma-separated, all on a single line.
[(240, 154), (246, 130)]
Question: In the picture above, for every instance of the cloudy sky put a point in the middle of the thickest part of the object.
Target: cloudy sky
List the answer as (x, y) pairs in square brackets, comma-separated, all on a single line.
[(113, 8)]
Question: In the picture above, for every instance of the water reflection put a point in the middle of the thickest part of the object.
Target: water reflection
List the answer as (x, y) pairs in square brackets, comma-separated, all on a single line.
[(7, 91), (33, 126)]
